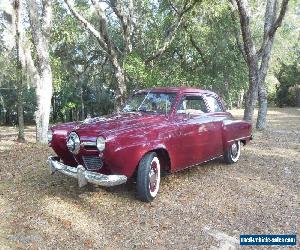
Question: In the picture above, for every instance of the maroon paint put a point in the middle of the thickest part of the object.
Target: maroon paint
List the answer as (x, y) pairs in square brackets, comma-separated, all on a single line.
[(188, 140)]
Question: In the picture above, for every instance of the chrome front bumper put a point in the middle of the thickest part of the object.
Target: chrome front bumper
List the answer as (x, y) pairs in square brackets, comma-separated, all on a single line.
[(84, 176)]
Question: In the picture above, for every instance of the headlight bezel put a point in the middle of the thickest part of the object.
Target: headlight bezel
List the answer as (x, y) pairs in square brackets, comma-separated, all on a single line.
[(74, 148), (100, 143)]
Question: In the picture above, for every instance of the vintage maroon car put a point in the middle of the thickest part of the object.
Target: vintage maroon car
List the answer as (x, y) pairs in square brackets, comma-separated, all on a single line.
[(159, 130)]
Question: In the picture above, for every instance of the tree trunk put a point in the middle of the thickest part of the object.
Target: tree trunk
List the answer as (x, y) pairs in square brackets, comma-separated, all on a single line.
[(270, 16), (107, 45), (257, 74), (240, 99), (263, 107), (19, 70), (297, 96), (251, 95), (7, 117), (54, 109), (121, 90), (43, 94), (251, 99), (2, 116), (106, 41), (40, 30), (82, 104), (251, 59), (21, 136)]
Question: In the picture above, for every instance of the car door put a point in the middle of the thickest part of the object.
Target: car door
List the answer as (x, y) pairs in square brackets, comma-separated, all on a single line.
[(216, 115), (195, 131)]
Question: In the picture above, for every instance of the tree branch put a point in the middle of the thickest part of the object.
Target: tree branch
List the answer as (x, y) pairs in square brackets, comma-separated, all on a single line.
[(87, 25), (34, 21), (237, 32), (125, 20), (271, 25), (199, 50), (110, 46), (249, 47), (279, 19), (169, 39), (29, 63), (39, 35), (46, 17)]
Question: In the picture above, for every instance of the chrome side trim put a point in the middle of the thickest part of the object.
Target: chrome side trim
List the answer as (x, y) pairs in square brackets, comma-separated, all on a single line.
[(84, 176), (241, 138), (88, 143)]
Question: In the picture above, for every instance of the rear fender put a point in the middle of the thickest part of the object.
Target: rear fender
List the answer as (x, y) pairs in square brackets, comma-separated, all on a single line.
[(235, 130)]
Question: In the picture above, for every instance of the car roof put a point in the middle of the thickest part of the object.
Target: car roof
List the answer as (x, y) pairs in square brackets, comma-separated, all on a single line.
[(178, 89)]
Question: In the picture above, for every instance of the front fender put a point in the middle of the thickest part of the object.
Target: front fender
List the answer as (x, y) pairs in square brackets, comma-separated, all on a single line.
[(125, 159)]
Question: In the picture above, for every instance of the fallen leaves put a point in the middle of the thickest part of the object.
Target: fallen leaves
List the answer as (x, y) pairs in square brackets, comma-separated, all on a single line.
[(259, 194)]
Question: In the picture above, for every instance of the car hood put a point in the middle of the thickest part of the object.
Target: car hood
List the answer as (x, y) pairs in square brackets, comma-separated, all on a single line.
[(118, 123)]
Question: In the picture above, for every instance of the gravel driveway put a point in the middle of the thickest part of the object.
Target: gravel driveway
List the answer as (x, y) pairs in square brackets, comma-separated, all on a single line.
[(205, 207)]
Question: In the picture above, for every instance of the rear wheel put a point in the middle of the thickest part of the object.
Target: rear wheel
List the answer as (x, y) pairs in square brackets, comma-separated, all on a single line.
[(148, 177), (232, 155)]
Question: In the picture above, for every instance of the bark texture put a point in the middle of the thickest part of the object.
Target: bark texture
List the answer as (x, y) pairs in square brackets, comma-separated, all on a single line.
[(19, 68), (258, 61), (271, 25), (42, 75), (251, 59)]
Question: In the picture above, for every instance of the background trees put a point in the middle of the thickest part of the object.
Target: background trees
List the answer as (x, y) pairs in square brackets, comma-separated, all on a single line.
[(99, 51), (258, 59)]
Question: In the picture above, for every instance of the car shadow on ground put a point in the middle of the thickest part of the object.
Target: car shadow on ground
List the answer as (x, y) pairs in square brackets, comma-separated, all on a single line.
[(64, 186)]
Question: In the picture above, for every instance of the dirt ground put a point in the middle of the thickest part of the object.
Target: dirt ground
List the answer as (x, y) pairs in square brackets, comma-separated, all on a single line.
[(205, 207)]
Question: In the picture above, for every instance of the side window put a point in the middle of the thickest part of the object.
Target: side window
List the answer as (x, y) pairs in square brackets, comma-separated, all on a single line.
[(193, 105), (213, 104)]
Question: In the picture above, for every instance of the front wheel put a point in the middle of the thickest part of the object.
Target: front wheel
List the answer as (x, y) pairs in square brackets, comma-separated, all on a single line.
[(232, 154), (148, 177)]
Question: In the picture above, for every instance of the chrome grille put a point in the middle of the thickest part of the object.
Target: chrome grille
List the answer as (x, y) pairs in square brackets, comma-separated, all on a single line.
[(92, 162)]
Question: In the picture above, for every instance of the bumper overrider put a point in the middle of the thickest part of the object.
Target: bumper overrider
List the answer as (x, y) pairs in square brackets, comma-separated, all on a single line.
[(84, 176)]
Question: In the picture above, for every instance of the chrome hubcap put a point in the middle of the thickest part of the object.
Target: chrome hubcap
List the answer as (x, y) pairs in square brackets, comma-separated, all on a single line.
[(234, 149), (153, 176)]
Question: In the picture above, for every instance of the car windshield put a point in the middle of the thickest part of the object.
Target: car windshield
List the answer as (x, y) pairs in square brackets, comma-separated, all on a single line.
[(154, 102)]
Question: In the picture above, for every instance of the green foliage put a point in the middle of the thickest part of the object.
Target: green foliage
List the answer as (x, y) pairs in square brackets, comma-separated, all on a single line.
[(137, 71), (204, 54), (289, 78)]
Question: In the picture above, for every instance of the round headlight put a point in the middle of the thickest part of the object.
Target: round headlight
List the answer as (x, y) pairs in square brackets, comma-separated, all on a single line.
[(49, 135), (100, 143), (73, 143)]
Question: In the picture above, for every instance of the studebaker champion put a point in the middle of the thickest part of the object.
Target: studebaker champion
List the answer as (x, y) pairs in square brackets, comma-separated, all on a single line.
[(159, 130)]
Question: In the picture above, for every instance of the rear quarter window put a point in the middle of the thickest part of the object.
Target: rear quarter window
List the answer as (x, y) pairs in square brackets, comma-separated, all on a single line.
[(214, 104)]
